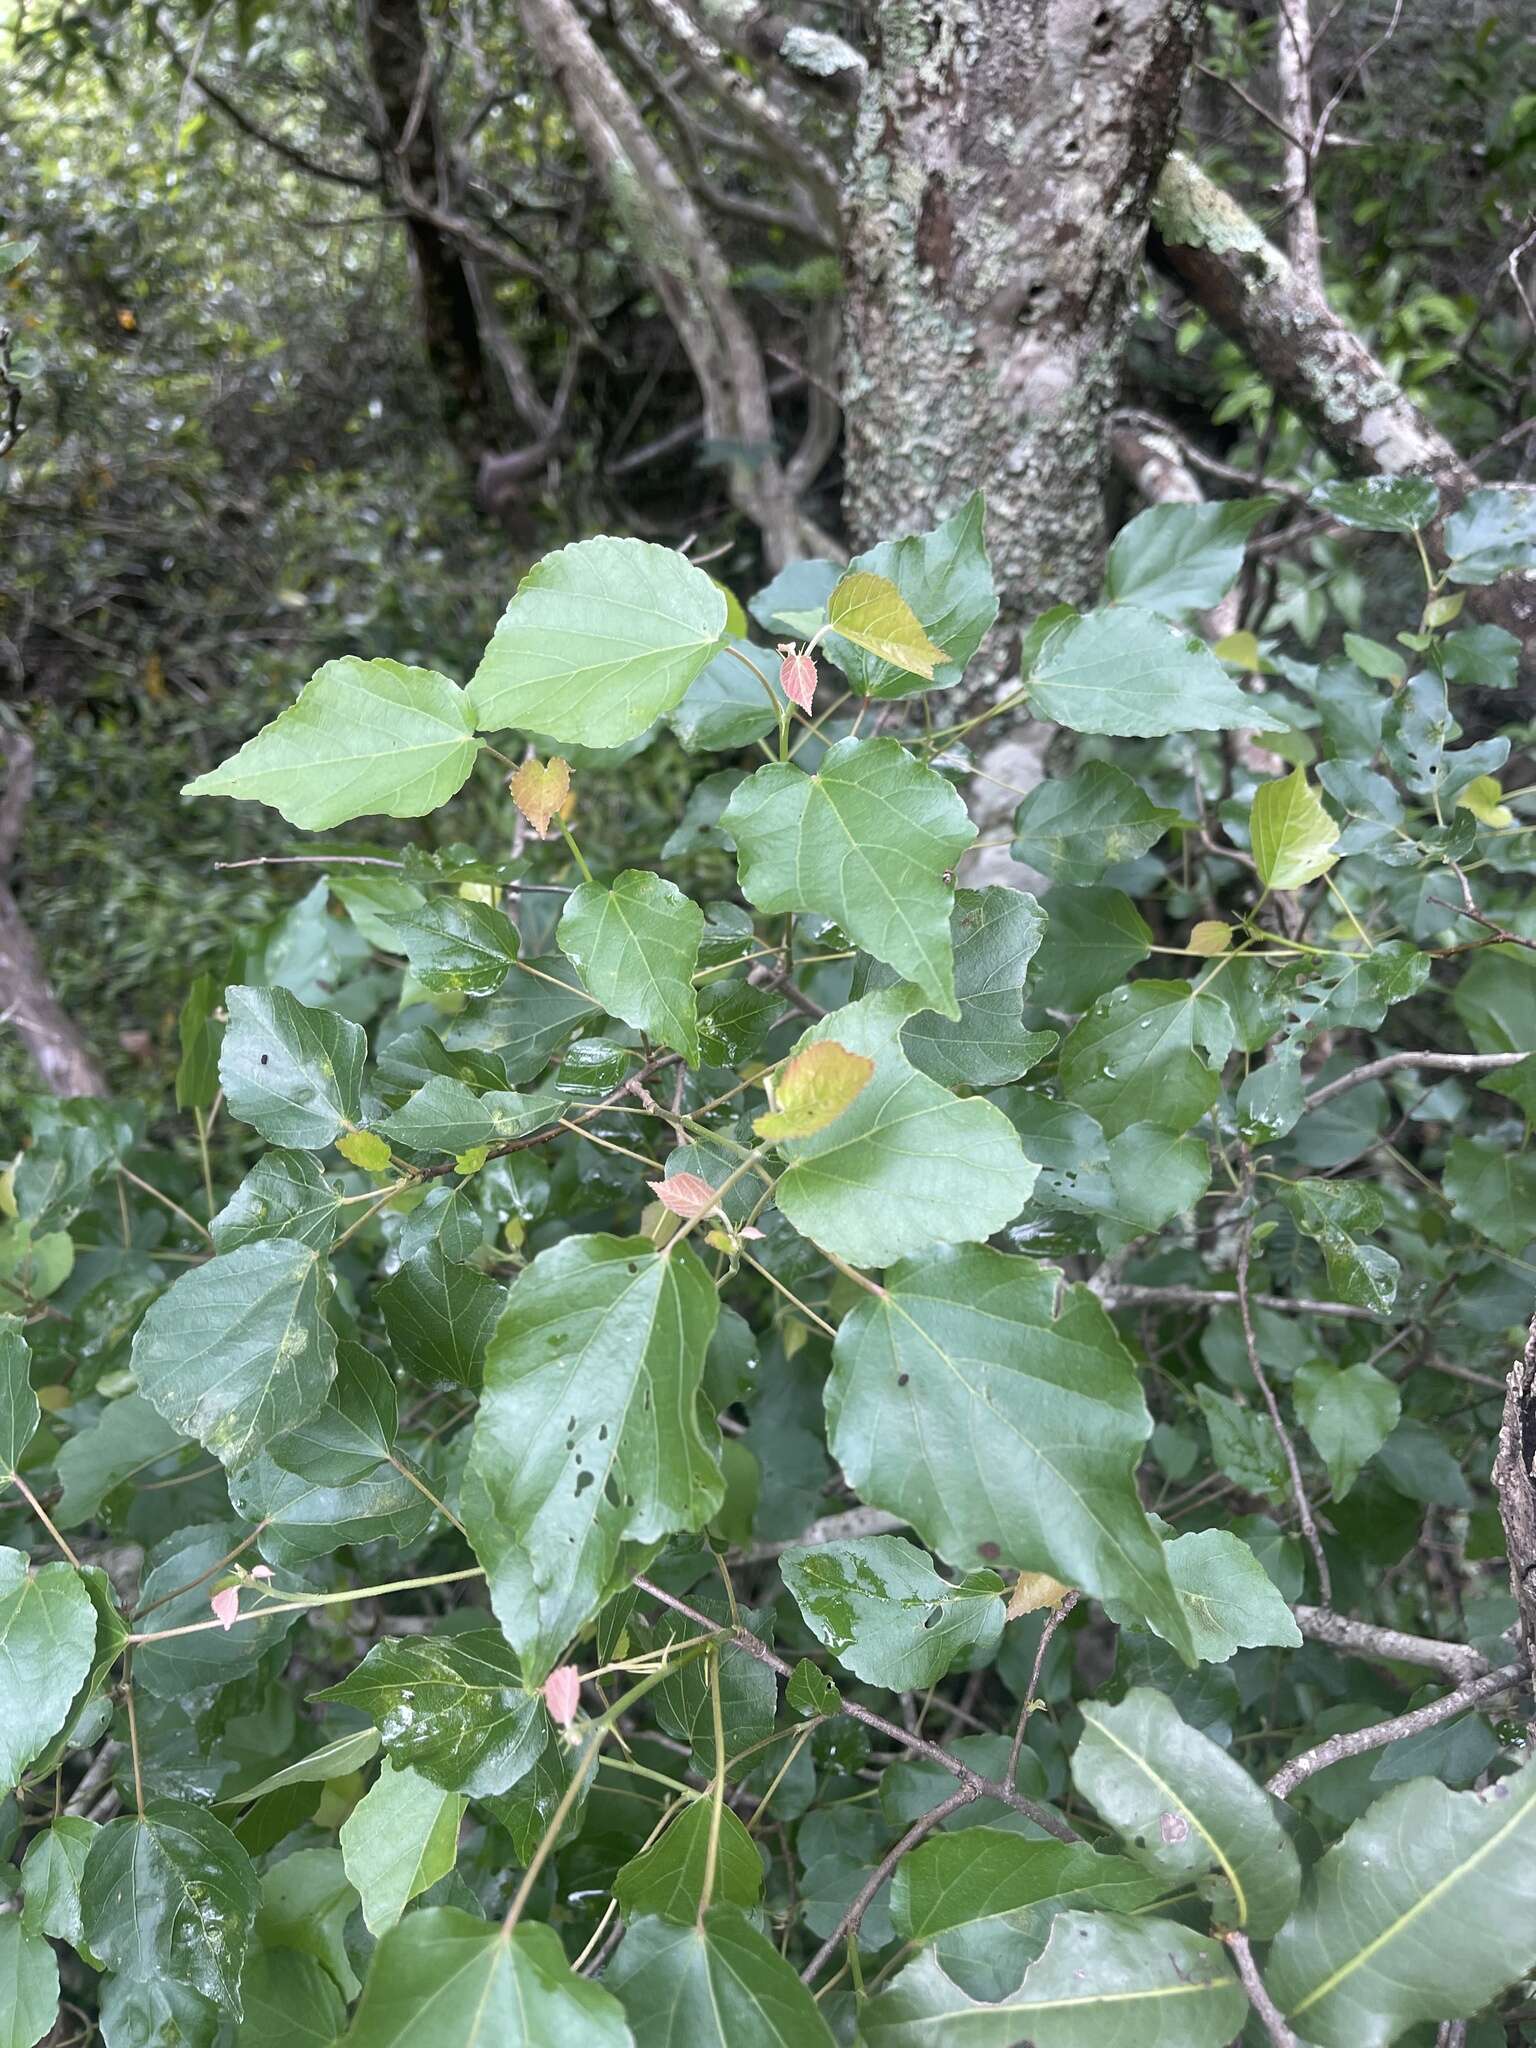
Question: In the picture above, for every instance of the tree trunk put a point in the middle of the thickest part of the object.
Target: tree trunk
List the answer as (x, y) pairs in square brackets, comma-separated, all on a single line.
[(1004, 160), (413, 153), (27, 1003)]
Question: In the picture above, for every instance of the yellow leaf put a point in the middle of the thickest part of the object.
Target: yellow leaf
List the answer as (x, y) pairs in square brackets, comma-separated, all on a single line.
[(472, 1160), (1482, 798), (1241, 650), (540, 789), (1210, 937), (814, 1089), (874, 615), (365, 1149), (1293, 836), (1034, 1590), (736, 621)]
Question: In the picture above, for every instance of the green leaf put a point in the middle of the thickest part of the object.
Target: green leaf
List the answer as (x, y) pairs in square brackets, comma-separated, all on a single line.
[(290, 2002), (171, 1894), (201, 1034), (452, 1707), (285, 1194), (726, 708), (719, 1985), (1181, 558), (667, 1879), (50, 1878), (293, 1073), (1424, 1911), (457, 946), (400, 1838), (1229, 1599), (29, 1976), (19, 1410), (47, 1640), (1244, 1443), (306, 1902), (348, 1437), (1075, 826), (1492, 1189), (1380, 504), (1184, 1809), (945, 579), (1131, 1059), (1492, 533), (442, 1979), (304, 1519), (868, 840), (884, 1612), (1332, 1213), (871, 612), (128, 1438), (445, 1116), (976, 1874), (1129, 672), (1293, 836), (810, 1691), (336, 1759), (239, 1350), (1004, 1427), (364, 737), (601, 638), (1104, 1981), (995, 933), (906, 1162), (588, 1447), (1348, 1413), (1093, 940), (438, 1316), (636, 946)]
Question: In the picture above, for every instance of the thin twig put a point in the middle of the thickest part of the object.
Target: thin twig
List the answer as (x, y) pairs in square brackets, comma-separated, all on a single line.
[(1280, 2035), (849, 1923), (1293, 1464), (1042, 1816), (1360, 1740), (1116, 1296), (1053, 1621), (1441, 1062)]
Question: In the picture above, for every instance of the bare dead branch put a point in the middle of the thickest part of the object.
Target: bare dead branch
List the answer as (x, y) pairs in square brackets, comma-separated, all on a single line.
[(1515, 1487), (1360, 1741), (1293, 76), (1275, 2027), (1456, 1661), (1118, 1296), (1438, 1062)]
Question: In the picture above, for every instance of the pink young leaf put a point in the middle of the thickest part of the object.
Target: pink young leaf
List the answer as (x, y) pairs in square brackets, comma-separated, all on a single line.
[(797, 677), (226, 1606), (562, 1693)]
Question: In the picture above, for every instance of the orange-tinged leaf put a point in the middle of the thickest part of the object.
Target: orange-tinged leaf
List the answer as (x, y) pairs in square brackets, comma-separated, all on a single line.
[(874, 615), (685, 1194), (814, 1089), (1034, 1590), (540, 789)]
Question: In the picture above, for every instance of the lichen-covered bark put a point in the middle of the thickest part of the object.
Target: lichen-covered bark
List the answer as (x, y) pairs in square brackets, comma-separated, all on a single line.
[(1005, 155), (1317, 365)]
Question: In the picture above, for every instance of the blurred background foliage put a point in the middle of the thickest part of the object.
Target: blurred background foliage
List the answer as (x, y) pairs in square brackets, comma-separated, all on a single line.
[(235, 464)]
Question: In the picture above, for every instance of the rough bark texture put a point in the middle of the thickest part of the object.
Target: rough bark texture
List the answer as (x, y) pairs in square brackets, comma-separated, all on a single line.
[(1515, 1486), (1005, 155), (412, 150), (27, 1003), (690, 273), (1318, 366)]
